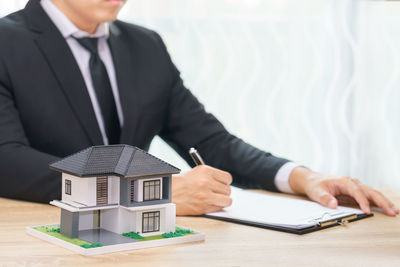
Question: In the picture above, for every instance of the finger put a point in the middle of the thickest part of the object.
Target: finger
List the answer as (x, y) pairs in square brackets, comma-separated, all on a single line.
[(222, 176), (382, 202), (219, 175), (207, 183), (324, 198), (220, 188), (352, 189), (212, 208), (219, 200)]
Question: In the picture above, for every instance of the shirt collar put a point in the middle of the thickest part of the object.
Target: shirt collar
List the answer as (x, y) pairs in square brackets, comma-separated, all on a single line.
[(66, 27)]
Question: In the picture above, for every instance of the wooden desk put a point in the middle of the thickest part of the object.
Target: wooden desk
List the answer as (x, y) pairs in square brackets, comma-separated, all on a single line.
[(371, 242)]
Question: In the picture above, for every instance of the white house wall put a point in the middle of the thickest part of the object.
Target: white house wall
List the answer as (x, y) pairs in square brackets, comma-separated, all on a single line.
[(91, 195), (92, 200), (123, 220), (79, 189), (85, 220), (109, 220), (117, 220), (113, 190), (126, 220), (167, 219), (170, 216)]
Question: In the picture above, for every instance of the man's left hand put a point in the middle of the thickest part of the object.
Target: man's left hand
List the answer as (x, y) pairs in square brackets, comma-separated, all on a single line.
[(333, 190)]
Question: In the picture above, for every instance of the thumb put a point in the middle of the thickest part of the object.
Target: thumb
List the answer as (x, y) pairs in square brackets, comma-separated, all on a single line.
[(325, 199)]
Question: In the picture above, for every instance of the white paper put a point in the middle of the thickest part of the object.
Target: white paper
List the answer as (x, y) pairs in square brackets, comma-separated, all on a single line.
[(279, 211)]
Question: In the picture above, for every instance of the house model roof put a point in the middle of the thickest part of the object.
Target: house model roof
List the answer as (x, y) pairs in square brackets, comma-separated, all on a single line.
[(118, 160)]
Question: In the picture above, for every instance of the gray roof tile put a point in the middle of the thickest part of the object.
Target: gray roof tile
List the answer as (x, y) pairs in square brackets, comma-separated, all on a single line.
[(119, 160), (126, 157), (144, 162)]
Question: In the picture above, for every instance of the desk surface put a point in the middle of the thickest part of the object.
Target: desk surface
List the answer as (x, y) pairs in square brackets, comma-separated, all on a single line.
[(370, 242)]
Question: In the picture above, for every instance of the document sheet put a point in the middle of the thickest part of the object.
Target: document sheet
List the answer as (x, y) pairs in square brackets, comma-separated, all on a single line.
[(279, 211)]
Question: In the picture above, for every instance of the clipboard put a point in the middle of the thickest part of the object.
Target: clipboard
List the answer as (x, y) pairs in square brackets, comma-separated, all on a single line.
[(319, 226), (284, 214)]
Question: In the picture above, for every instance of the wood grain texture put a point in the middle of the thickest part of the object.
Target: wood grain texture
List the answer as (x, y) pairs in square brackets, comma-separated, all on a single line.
[(371, 242)]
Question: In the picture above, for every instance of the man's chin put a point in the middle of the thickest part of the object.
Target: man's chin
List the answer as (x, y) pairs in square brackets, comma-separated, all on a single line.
[(110, 12), (106, 18), (110, 19)]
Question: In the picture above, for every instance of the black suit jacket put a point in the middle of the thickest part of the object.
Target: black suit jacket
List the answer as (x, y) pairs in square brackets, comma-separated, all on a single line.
[(46, 112)]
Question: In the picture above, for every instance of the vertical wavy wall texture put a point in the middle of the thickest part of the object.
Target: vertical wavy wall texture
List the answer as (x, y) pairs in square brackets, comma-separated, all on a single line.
[(377, 116), (315, 81)]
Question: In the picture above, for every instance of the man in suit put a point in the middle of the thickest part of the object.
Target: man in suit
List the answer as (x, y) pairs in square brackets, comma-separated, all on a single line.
[(72, 76)]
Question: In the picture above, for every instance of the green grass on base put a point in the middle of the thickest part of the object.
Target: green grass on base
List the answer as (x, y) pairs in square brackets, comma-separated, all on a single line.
[(183, 232), (53, 230)]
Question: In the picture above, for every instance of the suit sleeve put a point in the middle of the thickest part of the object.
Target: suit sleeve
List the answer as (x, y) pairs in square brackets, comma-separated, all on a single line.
[(189, 125), (24, 171)]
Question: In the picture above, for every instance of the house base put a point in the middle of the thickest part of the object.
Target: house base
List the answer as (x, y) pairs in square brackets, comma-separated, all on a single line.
[(134, 244)]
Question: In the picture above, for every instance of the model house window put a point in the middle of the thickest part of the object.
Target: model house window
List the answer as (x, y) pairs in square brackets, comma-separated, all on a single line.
[(151, 222), (67, 187), (132, 191), (151, 190)]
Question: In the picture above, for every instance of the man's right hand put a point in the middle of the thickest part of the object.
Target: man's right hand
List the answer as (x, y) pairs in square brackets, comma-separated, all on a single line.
[(201, 190)]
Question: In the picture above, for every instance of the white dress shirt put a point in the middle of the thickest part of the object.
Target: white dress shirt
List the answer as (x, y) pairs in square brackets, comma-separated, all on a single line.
[(82, 56)]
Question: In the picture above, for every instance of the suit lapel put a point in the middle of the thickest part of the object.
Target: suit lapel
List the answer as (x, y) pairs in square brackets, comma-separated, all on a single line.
[(61, 60), (128, 85)]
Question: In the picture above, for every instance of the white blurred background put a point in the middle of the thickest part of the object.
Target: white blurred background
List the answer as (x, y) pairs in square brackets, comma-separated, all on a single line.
[(315, 81)]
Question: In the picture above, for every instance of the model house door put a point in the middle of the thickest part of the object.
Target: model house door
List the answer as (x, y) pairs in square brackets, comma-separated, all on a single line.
[(96, 219), (102, 190)]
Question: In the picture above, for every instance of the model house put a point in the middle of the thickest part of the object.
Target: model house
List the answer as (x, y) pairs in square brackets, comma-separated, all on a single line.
[(116, 188)]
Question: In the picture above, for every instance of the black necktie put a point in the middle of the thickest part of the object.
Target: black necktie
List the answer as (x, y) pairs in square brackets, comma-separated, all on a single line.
[(103, 89)]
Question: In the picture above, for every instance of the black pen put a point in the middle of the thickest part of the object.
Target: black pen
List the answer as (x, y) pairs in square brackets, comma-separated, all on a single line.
[(196, 156)]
